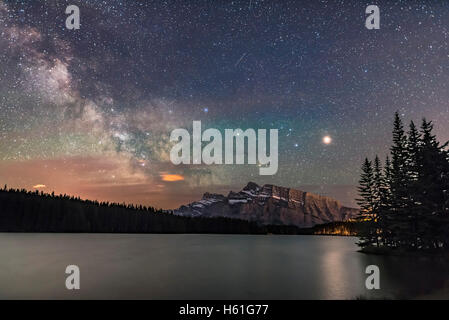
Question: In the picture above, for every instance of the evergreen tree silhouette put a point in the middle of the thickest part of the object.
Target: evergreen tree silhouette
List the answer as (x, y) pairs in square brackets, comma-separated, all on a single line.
[(366, 202), (397, 213), (409, 198), (433, 180)]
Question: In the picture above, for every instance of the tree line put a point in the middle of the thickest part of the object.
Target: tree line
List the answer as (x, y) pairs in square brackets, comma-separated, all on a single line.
[(34, 211), (405, 202)]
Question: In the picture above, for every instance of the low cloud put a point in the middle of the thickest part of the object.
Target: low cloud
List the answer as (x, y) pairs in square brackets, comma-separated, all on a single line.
[(172, 177), (39, 186)]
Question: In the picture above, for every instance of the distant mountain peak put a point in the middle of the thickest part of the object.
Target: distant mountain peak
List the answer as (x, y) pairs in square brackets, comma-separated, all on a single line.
[(251, 186), (270, 204)]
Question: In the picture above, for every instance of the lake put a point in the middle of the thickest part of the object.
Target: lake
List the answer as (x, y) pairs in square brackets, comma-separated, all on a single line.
[(193, 266)]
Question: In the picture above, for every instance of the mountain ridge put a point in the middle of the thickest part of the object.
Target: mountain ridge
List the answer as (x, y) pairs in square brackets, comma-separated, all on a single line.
[(270, 204)]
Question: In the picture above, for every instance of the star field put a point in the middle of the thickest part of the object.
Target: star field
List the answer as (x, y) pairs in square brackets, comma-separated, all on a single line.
[(89, 111)]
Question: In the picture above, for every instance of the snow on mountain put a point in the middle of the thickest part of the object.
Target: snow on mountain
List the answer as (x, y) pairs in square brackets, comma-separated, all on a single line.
[(270, 204)]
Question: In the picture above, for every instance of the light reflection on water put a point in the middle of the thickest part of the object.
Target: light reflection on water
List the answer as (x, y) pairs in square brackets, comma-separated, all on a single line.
[(152, 266)]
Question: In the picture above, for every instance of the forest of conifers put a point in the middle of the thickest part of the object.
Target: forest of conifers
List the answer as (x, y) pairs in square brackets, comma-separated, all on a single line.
[(26, 211), (405, 202)]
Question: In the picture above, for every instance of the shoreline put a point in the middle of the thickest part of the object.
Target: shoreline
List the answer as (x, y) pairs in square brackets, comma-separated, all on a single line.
[(443, 255)]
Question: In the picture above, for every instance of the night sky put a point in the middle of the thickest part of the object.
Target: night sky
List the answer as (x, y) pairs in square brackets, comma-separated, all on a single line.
[(89, 112)]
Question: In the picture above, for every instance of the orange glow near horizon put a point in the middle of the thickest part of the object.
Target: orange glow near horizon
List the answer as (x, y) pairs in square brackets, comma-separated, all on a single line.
[(172, 177), (118, 179)]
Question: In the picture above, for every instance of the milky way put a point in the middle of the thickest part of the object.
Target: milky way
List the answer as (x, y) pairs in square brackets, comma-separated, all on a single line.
[(90, 111)]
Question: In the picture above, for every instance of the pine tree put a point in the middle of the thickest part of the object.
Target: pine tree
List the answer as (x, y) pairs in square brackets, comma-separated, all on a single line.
[(378, 189), (413, 208), (413, 149), (398, 161), (397, 213), (367, 203), (386, 192), (366, 188), (386, 205), (378, 184), (433, 180)]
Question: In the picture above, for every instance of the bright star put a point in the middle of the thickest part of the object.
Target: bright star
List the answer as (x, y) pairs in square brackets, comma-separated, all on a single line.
[(327, 139)]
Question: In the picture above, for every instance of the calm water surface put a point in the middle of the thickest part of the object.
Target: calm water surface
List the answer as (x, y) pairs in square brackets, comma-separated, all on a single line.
[(154, 266)]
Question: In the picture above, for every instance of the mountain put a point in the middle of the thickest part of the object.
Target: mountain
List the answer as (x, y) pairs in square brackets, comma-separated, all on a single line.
[(270, 204)]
